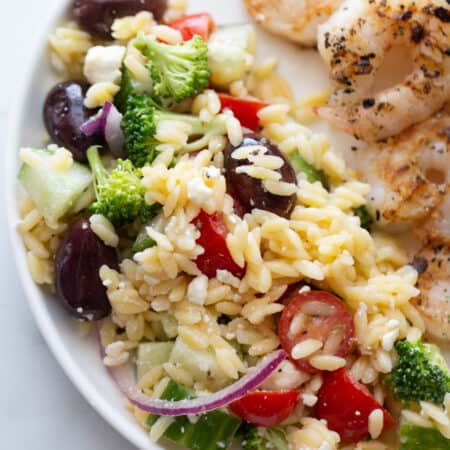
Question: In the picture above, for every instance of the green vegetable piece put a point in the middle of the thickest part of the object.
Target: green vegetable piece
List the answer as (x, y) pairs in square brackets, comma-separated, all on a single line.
[(364, 216), (143, 242), (53, 191), (420, 374), (120, 194), (262, 438), (201, 364), (127, 89), (233, 48), (312, 174), (213, 431), (140, 123), (152, 354), (178, 71), (417, 438)]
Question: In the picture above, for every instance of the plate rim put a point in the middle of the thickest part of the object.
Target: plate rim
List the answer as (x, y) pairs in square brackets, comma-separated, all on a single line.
[(34, 295)]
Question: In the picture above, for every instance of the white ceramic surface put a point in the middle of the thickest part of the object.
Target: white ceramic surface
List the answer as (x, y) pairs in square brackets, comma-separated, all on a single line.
[(80, 357)]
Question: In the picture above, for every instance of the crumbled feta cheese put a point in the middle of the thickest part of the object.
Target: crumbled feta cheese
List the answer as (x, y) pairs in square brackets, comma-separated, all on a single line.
[(198, 289), (325, 446), (193, 418), (309, 399), (198, 192), (103, 64), (212, 172), (286, 377)]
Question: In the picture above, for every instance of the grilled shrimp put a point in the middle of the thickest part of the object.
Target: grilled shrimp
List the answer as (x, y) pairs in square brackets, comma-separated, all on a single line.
[(297, 20), (410, 176), (433, 265), (354, 43)]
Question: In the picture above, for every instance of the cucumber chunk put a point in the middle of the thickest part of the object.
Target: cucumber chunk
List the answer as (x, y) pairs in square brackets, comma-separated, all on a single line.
[(54, 191), (152, 354), (417, 438), (230, 53), (201, 364), (212, 431)]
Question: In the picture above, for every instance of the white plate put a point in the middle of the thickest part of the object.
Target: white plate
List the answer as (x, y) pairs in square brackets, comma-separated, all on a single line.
[(80, 357)]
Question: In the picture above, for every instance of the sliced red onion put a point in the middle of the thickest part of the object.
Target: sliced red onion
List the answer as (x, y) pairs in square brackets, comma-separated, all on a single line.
[(125, 380), (108, 122), (96, 124)]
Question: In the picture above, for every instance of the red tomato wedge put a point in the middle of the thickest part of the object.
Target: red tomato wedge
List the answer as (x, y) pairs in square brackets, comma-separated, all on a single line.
[(189, 26), (266, 408), (246, 111), (346, 406), (316, 315), (213, 238)]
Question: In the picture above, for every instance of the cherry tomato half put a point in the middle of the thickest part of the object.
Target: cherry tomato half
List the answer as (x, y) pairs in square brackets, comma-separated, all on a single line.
[(319, 315), (213, 239), (189, 26), (246, 111), (346, 406), (266, 408)]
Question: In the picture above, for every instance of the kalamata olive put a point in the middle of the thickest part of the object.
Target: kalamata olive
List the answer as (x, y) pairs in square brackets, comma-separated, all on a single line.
[(77, 265), (250, 191), (64, 113), (97, 16)]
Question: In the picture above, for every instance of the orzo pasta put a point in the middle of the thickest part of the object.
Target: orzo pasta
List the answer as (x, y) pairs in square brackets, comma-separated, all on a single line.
[(224, 249)]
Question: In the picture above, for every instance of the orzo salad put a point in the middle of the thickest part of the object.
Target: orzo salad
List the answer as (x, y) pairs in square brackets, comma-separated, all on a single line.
[(222, 251)]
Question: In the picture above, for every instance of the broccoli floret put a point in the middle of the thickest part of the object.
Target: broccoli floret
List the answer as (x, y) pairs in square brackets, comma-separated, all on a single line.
[(253, 438), (140, 123), (178, 71), (420, 374), (139, 127), (120, 193)]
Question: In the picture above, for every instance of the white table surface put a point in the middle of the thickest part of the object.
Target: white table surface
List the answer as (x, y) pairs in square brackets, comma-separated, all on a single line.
[(39, 407)]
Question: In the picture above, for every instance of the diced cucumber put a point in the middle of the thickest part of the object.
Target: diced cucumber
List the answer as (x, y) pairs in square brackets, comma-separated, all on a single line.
[(417, 438), (231, 51), (201, 364), (212, 431), (312, 174), (54, 191), (152, 354)]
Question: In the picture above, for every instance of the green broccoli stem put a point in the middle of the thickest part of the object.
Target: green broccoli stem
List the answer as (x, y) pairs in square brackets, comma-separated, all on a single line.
[(217, 127), (152, 49), (99, 173), (197, 128)]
